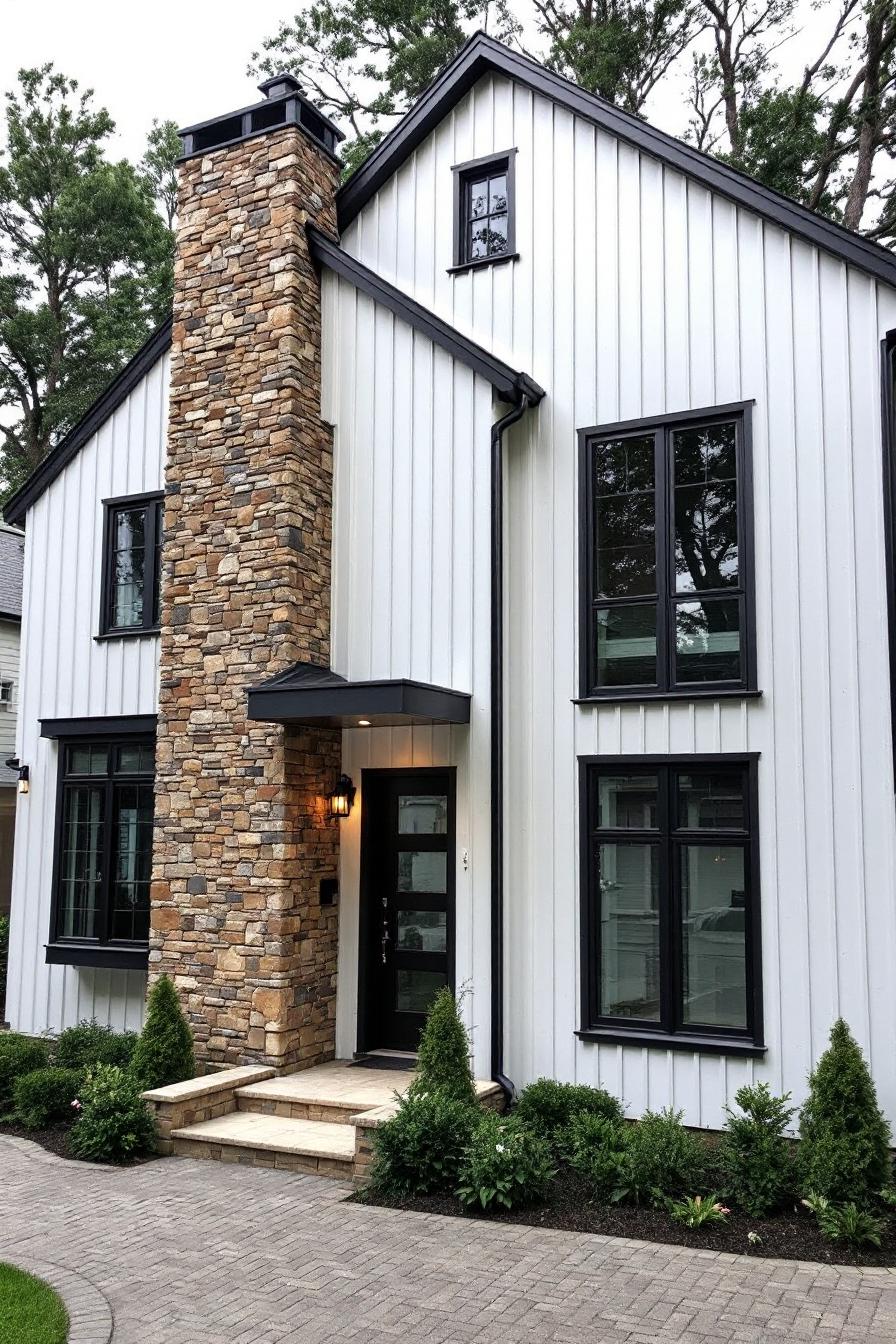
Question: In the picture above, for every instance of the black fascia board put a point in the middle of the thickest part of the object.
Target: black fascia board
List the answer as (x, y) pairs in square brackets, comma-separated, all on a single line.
[(482, 54), (509, 384), (123, 725), (92, 420), (106, 955), (377, 701)]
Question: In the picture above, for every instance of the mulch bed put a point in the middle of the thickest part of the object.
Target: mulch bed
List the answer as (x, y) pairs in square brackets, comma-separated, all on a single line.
[(570, 1208), (54, 1138)]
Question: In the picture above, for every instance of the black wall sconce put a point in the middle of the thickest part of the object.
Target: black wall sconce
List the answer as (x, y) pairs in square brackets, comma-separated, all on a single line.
[(12, 763), (342, 797)]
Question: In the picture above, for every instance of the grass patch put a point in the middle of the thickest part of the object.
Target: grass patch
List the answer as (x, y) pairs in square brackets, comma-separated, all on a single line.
[(30, 1312)]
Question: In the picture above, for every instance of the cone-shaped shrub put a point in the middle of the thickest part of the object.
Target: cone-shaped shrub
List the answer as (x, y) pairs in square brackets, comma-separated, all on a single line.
[(164, 1052), (443, 1058), (844, 1154)]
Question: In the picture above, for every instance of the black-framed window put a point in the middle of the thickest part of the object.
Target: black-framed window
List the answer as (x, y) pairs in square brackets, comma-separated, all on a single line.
[(132, 540), (667, 572), (484, 205), (670, 928), (104, 841)]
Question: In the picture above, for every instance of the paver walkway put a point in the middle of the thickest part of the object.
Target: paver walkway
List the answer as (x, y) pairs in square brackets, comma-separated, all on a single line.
[(203, 1253)]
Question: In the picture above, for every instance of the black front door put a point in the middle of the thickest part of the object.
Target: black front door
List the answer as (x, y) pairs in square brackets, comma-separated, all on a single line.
[(407, 926)]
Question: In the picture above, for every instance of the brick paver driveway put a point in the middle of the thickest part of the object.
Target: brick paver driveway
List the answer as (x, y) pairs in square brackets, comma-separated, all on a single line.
[(200, 1253)]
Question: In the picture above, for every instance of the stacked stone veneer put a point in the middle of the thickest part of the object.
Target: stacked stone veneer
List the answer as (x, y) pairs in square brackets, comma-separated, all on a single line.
[(242, 833)]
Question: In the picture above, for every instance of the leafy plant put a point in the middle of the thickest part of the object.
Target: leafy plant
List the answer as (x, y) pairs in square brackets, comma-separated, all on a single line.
[(847, 1222), (548, 1107), (46, 1095), (419, 1151), (164, 1050), (443, 1056), (694, 1211), (594, 1146), (844, 1154), (754, 1154), (505, 1165), (114, 1123), (18, 1055), (90, 1043), (662, 1159)]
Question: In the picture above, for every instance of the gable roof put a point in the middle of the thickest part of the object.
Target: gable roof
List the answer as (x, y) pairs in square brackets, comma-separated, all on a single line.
[(507, 382), (482, 55), (107, 402), (12, 556)]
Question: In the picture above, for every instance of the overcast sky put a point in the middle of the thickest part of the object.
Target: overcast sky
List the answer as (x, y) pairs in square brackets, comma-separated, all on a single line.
[(186, 59)]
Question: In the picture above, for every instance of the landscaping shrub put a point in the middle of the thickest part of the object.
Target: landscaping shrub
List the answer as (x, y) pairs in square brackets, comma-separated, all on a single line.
[(505, 1165), (113, 1123), (164, 1050), (18, 1055), (89, 1043), (594, 1146), (443, 1056), (847, 1223), (755, 1156), (419, 1151), (547, 1107), (661, 1159), (844, 1154), (46, 1095)]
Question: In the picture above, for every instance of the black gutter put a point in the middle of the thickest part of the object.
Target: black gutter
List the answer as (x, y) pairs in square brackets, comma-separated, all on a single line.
[(497, 742), (507, 382)]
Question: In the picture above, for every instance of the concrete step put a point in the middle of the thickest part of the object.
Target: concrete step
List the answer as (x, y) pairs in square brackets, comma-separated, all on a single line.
[(270, 1141)]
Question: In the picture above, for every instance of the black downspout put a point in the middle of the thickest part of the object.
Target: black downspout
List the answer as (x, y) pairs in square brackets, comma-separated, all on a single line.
[(497, 742)]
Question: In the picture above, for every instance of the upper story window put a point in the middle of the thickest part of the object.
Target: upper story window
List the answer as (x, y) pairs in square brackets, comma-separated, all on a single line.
[(104, 846), (6, 693), (667, 556), (484, 211), (132, 547)]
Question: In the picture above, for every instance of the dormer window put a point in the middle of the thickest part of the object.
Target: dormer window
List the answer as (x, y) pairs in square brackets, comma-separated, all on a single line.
[(484, 211), (132, 546)]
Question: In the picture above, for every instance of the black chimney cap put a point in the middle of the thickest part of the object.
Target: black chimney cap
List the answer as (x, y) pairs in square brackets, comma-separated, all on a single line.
[(278, 86)]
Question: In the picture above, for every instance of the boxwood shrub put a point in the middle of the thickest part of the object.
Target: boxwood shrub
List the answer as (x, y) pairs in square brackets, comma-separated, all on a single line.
[(419, 1151), (46, 1095), (18, 1055)]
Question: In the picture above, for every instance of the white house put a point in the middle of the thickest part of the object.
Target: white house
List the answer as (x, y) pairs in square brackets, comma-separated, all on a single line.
[(559, 519)]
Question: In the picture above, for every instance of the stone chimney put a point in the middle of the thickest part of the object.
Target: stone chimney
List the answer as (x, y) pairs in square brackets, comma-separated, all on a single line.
[(242, 831)]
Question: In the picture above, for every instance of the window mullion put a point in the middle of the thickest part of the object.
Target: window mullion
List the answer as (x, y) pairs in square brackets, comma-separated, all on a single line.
[(149, 564), (105, 892), (664, 910), (663, 543)]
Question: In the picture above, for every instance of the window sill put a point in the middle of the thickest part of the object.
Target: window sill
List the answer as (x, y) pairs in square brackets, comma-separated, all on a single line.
[(637, 696), (658, 1040), (478, 264), (128, 634), (134, 958)]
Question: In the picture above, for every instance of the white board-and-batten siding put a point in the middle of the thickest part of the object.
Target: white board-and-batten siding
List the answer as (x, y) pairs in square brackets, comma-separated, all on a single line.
[(68, 673), (638, 292)]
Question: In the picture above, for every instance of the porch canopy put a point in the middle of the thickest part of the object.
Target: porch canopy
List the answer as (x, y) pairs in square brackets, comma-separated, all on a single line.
[(317, 695)]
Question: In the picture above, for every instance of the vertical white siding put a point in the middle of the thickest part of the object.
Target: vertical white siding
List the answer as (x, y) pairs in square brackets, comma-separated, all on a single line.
[(637, 291), (66, 672), (410, 589)]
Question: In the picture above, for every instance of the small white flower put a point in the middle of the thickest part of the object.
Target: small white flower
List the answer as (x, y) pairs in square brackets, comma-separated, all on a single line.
[(499, 1147), (754, 1239)]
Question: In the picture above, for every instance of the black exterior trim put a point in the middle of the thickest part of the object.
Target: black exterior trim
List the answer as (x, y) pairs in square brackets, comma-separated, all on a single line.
[(666, 597), (105, 955), (309, 694), (150, 595), (60, 456), (463, 174), (258, 119), (507, 382), (614, 1031), (482, 54), (888, 424), (126, 725)]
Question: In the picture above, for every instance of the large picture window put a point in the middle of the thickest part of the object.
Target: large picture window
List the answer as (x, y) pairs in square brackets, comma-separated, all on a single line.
[(667, 563), (132, 549), (104, 841), (671, 919)]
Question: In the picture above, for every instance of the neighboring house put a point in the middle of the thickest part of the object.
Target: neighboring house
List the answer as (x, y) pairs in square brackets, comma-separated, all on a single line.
[(12, 549), (532, 481)]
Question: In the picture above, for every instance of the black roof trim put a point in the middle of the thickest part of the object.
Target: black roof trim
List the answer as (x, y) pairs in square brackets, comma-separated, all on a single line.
[(507, 382), (482, 54), (102, 726), (306, 694), (59, 457)]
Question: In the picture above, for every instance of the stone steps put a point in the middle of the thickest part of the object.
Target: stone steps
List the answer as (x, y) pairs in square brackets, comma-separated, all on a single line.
[(270, 1141)]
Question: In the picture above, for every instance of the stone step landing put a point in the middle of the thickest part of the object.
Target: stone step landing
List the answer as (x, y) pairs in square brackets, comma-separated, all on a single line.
[(320, 1120)]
